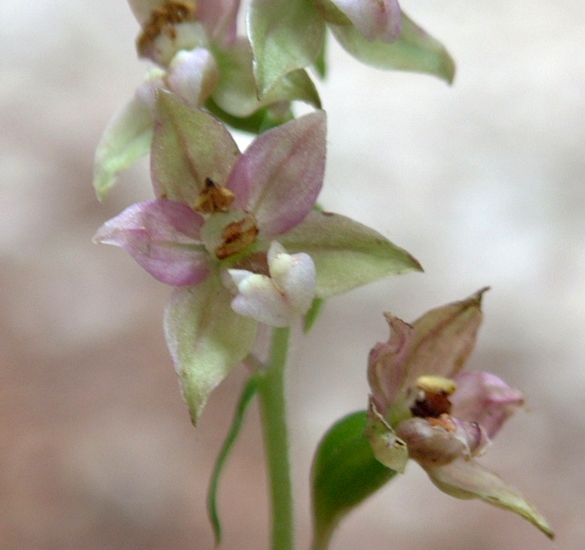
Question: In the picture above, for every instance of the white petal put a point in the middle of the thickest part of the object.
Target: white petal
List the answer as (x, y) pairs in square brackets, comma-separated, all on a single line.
[(258, 298), (294, 276)]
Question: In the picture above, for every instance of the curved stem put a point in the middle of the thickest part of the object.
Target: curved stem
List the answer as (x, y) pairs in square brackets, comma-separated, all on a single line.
[(275, 430)]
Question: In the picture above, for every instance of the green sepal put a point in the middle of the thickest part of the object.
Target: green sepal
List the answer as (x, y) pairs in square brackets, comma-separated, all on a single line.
[(248, 393), (126, 139), (344, 473), (346, 253), (285, 35), (206, 338), (236, 91), (189, 146), (415, 50)]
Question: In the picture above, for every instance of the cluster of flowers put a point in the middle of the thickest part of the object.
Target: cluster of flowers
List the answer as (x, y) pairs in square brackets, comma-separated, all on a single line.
[(240, 238)]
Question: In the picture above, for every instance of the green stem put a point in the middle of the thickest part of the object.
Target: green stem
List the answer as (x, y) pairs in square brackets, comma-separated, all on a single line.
[(273, 414)]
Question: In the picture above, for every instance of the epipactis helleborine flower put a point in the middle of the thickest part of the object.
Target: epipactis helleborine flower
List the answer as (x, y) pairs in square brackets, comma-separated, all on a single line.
[(201, 59), (424, 407), (238, 236), (375, 32), (226, 226)]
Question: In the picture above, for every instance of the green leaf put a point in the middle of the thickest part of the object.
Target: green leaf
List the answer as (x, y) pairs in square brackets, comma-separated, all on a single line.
[(415, 50), (189, 146), (246, 397), (346, 253), (285, 35), (344, 473), (312, 314), (236, 91), (206, 338), (126, 139)]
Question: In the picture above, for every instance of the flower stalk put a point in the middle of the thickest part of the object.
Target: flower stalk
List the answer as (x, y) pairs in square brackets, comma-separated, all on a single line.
[(273, 414)]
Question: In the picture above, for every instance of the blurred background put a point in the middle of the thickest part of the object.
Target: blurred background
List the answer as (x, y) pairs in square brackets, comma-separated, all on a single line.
[(482, 181)]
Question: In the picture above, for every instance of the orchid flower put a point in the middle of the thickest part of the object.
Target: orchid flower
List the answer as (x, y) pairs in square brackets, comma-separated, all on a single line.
[(199, 57), (425, 407), (238, 236), (375, 32)]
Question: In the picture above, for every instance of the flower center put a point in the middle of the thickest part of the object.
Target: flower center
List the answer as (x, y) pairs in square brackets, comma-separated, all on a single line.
[(432, 400), (227, 233), (236, 236)]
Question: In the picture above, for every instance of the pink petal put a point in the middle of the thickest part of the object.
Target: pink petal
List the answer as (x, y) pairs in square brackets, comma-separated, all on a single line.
[(281, 174), (374, 19), (468, 479), (484, 398), (386, 364), (163, 237)]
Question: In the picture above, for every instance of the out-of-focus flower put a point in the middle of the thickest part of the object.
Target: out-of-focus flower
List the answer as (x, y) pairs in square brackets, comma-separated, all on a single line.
[(376, 32), (424, 407), (200, 58)]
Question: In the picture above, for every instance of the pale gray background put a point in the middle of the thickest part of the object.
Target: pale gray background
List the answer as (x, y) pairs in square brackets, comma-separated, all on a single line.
[(482, 181)]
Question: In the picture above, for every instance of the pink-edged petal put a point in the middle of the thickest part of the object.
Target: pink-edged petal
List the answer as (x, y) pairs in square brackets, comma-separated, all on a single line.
[(386, 363), (374, 19), (163, 237), (467, 479), (444, 339), (280, 175), (219, 17), (193, 75), (189, 146), (486, 399)]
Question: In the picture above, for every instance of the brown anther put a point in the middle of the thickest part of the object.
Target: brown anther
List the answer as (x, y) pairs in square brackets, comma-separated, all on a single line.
[(431, 404), (214, 198), (163, 19), (236, 236)]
